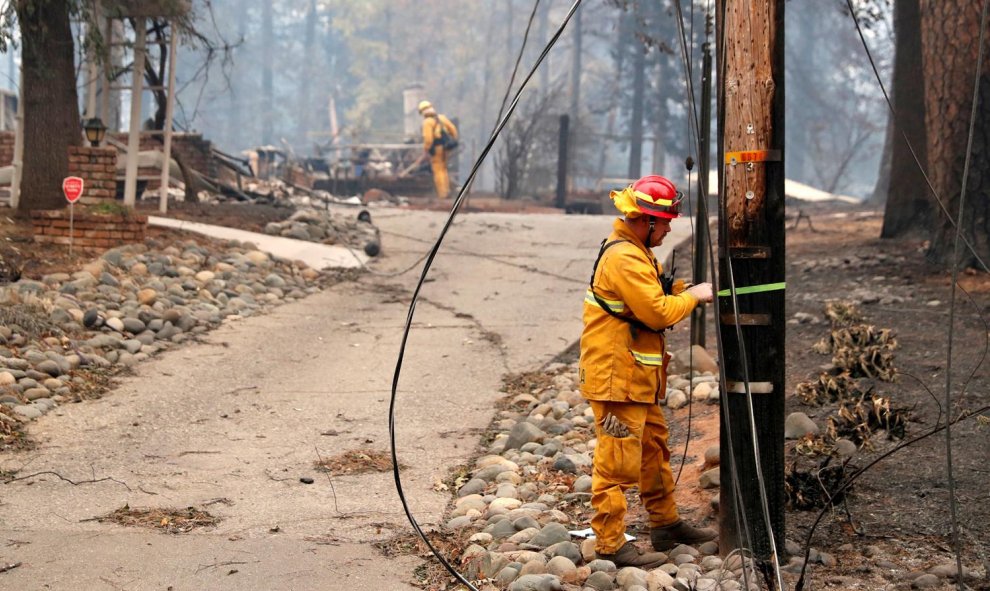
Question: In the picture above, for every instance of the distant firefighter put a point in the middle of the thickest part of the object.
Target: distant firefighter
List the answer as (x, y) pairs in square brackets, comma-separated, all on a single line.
[(439, 139)]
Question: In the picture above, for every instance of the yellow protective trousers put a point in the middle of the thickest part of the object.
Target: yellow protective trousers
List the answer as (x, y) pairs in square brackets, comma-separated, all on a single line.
[(438, 162), (641, 458)]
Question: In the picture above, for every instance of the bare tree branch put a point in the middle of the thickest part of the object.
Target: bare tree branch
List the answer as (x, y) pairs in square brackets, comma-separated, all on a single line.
[(72, 482)]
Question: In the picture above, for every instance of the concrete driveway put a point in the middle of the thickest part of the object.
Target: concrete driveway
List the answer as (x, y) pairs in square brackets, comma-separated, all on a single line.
[(232, 424)]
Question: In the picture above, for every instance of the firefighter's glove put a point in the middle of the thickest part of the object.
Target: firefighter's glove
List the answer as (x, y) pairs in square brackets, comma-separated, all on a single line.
[(614, 427), (702, 292)]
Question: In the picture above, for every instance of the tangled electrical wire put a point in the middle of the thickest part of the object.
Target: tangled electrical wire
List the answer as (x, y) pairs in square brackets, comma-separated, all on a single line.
[(461, 195)]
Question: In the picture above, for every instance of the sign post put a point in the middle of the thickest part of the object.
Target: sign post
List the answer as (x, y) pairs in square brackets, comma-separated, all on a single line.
[(72, 186)]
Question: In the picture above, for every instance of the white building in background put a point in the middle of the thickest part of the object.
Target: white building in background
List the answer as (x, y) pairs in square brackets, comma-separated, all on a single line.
[(8, 110)]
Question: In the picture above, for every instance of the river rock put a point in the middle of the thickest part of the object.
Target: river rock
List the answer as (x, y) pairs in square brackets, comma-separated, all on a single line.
[(797, 425), (523, 432), (551, 534)]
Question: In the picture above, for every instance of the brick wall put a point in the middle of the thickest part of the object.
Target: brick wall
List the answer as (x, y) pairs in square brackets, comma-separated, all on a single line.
[(89, 230), (191, 147), (194, 151), (299, 177), (98, 169), (6, 148)]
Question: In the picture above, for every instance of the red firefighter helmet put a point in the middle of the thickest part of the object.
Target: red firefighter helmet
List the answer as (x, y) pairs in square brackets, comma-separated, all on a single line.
[(657, 196)]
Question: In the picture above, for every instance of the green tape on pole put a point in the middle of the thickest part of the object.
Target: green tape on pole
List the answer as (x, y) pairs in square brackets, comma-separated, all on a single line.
[(752, 289)]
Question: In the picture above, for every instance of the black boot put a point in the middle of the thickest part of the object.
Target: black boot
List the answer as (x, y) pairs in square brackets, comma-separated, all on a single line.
[(630, 555), (666, 537)]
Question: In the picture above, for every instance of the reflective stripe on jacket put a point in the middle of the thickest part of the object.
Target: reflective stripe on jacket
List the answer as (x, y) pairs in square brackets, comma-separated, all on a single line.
[(618, 361)]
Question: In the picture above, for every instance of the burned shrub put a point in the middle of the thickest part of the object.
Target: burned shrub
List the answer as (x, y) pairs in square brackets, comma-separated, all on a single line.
[(859, 420), (842, 314), (862, 350), (814, 446), (813, 489), (829, 388)]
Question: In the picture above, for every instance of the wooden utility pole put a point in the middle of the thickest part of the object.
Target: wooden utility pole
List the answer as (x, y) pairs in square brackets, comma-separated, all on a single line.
[(750, 58)]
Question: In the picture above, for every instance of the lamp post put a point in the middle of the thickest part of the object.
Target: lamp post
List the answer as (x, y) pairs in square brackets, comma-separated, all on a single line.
[(95, 131)]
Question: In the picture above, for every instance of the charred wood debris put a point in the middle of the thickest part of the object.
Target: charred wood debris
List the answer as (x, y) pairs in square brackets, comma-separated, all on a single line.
[(861, 418), (317, 190), (273, 176)]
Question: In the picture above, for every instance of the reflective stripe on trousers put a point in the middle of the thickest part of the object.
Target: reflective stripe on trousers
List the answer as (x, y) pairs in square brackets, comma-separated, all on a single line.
[(642, 458)]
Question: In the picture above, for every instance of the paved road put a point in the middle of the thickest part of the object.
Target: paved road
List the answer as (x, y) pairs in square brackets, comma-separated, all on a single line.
[(232, 423)]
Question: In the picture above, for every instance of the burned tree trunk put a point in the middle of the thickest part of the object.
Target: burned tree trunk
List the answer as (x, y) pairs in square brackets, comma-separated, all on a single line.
[(541, 40), (618, 56), (636, 119), (304, 108), (155, 72), (909, 202), (267, 83), (51, 105), (950, 31), (576, 68)]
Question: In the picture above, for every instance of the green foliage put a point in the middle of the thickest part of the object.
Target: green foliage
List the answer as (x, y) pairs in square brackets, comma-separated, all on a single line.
[(8, 26), (9, 22), (109, 208), (183, 13)]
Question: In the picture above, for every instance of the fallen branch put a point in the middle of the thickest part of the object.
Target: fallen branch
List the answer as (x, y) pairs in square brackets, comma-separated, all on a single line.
[(327, 472), (223, 188), (233, 163), (8, 567), (203, 567), (269, 475), (72, 482)]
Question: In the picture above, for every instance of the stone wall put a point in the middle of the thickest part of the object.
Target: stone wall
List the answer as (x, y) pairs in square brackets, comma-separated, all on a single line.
[(89, 230)]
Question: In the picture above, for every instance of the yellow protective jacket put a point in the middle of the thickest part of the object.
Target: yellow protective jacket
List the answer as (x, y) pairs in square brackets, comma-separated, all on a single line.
[(620, 362), (431, 131)]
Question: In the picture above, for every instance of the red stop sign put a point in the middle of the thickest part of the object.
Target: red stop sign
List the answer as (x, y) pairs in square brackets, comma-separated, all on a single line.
[(72, 186)]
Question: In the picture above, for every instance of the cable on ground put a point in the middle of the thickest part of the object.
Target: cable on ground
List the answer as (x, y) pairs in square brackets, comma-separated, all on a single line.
[(461, 194)]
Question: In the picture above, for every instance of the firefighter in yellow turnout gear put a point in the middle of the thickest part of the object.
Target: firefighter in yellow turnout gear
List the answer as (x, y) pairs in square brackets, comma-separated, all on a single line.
[(434, 127), (623, 374)]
